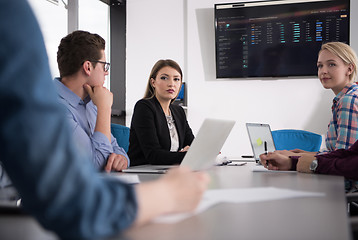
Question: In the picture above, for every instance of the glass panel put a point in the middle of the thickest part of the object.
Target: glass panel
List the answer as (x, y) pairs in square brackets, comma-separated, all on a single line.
[(94, 18), (53, 22)]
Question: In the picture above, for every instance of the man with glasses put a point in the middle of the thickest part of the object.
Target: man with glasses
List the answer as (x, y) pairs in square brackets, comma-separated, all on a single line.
[(57, 185), (83, 68)]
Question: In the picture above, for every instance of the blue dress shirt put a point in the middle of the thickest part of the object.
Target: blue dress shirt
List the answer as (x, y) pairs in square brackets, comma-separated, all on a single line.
[(57, 183), (82, 116)]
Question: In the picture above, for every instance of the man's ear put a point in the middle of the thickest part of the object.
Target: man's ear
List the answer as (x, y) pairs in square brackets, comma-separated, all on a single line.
[(87, 67)]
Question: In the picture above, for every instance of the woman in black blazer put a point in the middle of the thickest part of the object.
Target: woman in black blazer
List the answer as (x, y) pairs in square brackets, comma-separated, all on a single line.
[(160, 133)]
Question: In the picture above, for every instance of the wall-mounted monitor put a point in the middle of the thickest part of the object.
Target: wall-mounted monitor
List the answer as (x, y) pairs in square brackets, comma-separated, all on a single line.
[(278, 38)]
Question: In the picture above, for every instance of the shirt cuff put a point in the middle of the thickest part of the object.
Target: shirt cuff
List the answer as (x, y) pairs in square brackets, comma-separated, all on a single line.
[(102, 140), (294, 160)]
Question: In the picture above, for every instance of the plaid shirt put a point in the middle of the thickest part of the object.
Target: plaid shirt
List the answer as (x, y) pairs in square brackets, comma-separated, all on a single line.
[(343, 127)]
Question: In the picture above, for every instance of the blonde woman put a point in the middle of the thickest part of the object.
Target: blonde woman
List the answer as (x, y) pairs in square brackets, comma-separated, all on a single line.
[(337, 70)]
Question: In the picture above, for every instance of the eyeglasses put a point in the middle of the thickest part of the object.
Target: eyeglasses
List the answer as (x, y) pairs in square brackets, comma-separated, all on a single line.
[(105, 65)]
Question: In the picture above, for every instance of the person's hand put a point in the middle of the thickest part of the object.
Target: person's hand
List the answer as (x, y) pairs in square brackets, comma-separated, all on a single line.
[(185, 149), (286, 152), (276, 161), (185, 188), (303, 164), (179, 190), (295, 152), (103, 99), (116, 162), (299, 151), (100, 96)]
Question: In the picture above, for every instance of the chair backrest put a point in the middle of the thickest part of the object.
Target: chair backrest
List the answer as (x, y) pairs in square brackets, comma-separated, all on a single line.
[(121, 133), (289, 139)]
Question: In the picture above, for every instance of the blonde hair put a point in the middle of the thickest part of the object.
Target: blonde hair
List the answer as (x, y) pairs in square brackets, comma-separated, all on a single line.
[(344, 52), (150, 91)]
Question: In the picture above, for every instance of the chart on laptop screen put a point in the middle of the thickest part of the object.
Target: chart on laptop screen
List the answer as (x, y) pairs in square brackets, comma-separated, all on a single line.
[(260, 138)]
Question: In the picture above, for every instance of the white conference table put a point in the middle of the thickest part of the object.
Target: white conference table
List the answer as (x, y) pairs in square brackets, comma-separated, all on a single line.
[(298, 218)]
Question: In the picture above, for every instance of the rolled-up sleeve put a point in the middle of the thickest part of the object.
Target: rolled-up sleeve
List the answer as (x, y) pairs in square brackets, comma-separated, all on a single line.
[(119, 150), (101, 149)]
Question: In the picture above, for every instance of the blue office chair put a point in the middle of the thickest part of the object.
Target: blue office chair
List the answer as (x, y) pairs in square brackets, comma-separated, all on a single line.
[(121, 133), (289, 139)]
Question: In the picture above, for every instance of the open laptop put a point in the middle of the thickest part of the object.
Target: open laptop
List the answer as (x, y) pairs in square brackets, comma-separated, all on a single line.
[(203, 150), (260, 138)]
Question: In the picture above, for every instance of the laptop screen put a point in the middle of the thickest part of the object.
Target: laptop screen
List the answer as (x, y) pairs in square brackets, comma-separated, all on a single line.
[(207, 143), (260, 136)]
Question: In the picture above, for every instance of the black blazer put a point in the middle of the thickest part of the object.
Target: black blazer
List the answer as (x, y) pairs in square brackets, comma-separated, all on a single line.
[(149, 140)]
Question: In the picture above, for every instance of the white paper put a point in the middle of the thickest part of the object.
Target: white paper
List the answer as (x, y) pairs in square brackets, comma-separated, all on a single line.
[(260, 168), (127, 178), (238, 195)]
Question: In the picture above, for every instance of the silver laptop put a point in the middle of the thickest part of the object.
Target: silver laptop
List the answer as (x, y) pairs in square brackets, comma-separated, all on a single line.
[(203, 150), (260, 138)]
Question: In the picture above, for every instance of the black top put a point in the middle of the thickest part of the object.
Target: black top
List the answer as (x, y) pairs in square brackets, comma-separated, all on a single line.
[(149, 140)]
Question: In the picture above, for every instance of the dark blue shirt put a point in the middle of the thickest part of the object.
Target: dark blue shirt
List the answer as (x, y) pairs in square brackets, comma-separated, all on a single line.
[(58, 185)]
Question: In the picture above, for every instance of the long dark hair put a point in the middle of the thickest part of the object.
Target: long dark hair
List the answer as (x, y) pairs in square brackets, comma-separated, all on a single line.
[(150, 91)]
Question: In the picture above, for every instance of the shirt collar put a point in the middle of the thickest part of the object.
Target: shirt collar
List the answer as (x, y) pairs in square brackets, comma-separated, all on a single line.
[(69, 96), (347, 89)]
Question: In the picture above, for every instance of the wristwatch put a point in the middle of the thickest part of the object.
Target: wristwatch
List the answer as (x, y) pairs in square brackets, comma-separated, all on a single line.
[(314, 165)]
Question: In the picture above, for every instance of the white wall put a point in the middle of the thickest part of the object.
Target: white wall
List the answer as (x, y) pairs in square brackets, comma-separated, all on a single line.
[(184, 31), (155, 30)]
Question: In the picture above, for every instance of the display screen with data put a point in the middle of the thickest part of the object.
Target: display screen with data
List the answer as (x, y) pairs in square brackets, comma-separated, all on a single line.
[(276, 38)]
